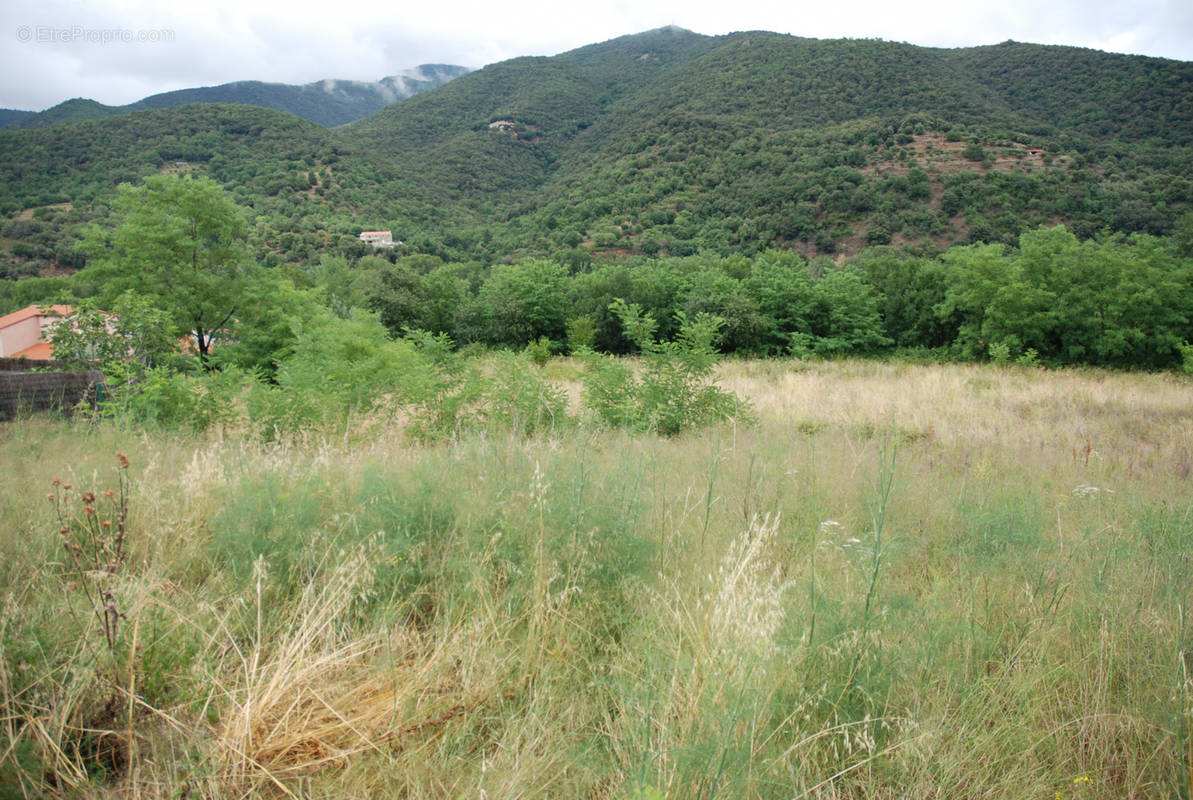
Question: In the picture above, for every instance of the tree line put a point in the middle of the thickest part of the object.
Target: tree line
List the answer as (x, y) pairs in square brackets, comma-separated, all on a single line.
[(181, 246), (1117, 300)]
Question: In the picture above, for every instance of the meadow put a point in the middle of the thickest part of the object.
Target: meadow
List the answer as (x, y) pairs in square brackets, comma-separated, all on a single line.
[(932, 581)]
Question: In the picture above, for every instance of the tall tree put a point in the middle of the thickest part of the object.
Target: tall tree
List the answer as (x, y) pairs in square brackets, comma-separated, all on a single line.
[(181, 244)]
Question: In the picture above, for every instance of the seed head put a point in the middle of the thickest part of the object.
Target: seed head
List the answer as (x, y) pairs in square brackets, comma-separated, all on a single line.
[(88, 497), (123, 460)]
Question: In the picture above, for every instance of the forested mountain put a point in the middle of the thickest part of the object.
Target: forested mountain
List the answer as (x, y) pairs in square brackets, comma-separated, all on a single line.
[(675, 142), (328, 102), (663, 143), (11, 115)]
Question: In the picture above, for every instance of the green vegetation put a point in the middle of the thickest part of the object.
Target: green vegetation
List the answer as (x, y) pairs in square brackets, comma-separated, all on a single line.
[(179, 244), (905, 581), (488, 514), (666, 144), (676, 391)]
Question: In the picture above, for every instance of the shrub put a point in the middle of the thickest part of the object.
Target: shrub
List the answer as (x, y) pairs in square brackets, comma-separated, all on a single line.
[(974, 152), (581, 332), (1186, 358), (1029, 358), (539, 351), (519, 398), (676, 391), (1000, 352)]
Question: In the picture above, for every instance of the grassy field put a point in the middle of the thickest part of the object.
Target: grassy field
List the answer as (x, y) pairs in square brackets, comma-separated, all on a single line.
[(904, 581)]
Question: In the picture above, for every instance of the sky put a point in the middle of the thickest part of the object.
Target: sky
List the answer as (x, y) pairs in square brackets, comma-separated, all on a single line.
[(118, 51)]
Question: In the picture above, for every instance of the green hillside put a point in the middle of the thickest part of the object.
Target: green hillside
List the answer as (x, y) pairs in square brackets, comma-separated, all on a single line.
[(762, 138), (11, 115), (79, 109), (664, 143)]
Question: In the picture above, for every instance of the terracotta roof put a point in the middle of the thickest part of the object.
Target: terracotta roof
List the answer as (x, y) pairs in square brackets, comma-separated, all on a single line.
[(41, 351), (32, 311)]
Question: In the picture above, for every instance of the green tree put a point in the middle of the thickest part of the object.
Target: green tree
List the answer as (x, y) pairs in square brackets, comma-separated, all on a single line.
[(124, 343), (719, 295), (908, 290), (845, 315), (445, 289), (782, 286), (973, 276), (521, 302), (399, 299), (342, 287), (181, 245), (272, 316)]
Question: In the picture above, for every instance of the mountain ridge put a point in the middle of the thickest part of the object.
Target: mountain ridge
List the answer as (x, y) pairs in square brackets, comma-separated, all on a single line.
[(670, 142), (328, 102)]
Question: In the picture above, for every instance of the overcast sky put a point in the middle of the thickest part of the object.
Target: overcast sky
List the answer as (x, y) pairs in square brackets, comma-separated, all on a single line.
[(118, 51)]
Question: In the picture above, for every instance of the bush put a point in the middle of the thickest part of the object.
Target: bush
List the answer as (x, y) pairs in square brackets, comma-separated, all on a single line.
[(1000, 352), (1186, 358), (539, 351), (676, 391), (456, 394), (519, 399), (581, 332), (191, 402)]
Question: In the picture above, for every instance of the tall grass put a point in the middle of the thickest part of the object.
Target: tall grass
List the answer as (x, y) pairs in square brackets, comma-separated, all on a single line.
[(1002, 610)]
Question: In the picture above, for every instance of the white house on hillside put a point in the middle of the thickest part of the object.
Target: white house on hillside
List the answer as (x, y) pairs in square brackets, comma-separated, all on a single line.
[(378, 238)]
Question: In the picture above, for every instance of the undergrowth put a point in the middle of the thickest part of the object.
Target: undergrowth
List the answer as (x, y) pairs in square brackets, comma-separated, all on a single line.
[(771, 612)]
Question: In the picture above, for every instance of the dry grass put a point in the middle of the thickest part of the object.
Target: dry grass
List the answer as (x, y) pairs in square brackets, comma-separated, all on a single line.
[(606, 616)]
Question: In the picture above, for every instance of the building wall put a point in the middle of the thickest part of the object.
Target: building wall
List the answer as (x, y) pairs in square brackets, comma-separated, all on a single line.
[(20, 336)]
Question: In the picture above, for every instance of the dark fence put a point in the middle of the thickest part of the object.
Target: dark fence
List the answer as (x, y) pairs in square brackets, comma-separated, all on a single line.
[(22, 390)]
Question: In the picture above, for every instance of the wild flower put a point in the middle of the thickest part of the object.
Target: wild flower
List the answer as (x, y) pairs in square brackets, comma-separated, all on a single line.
[(95, 547), (830, 528), (1086, 490)]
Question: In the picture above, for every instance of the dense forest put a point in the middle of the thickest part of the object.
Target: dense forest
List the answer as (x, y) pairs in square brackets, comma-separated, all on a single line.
[(818, 196)]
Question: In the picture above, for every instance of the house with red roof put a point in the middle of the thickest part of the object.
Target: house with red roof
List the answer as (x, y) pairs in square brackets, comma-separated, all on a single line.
[(26, 333)]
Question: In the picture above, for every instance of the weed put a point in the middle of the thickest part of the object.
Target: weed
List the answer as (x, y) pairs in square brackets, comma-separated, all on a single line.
[(94, 542)]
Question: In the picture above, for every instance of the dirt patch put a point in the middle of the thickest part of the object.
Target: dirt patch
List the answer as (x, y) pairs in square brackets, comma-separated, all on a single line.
[(938, 156), (27, 213)]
